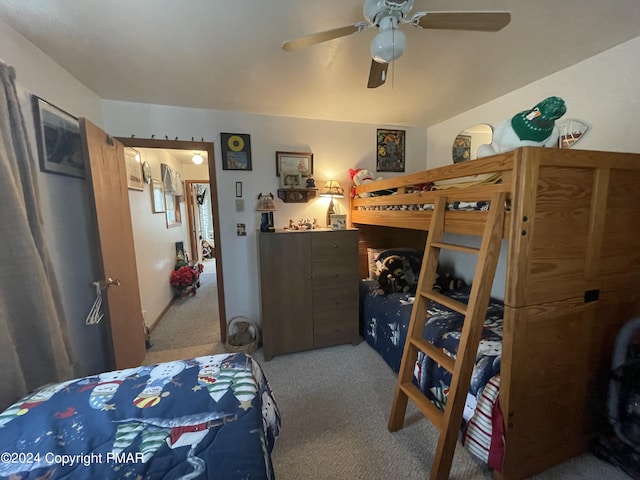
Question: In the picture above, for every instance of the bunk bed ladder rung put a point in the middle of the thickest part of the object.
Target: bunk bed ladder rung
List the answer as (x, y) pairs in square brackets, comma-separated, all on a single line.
[(446, 301), (449, 421), (458, 248), (437, 354)]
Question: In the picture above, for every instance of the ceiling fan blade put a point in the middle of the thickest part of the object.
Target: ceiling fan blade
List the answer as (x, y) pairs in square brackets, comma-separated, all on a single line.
[(478, 21), (320, 37), (377, 74)]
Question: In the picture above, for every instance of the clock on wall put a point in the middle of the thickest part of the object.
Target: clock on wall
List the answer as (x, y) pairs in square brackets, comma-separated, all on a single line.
[(146, 172)]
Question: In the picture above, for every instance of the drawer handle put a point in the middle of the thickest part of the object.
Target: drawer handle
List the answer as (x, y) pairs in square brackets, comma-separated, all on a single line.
[(335, 245)]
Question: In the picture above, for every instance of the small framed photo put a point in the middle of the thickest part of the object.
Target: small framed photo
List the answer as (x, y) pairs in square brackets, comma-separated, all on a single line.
[(58, 138), (338, 221), (157, 197), (172, 212), (299, 162), (236, 151), (238, 189), (133, 168), (291, 180), (390, 150)]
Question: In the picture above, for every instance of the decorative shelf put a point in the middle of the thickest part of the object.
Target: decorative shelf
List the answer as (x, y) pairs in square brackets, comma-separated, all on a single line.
[(296, 195)]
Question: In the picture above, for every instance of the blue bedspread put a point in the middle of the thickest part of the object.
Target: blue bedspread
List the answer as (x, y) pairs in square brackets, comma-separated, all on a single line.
[(210, 417), (386, 321)]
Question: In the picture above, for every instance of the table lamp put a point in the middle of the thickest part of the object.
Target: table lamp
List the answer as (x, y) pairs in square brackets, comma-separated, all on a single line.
[(333, 190), (267, 207)]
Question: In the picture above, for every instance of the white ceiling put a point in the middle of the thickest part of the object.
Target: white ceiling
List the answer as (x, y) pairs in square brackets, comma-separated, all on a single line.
[(225, 55)]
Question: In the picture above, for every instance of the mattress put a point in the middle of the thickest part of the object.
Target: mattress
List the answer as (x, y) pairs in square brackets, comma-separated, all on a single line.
[(385, 320), (210, 417)]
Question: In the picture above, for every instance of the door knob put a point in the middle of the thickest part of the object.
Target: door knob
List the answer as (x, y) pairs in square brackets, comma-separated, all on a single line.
[(108, 282)]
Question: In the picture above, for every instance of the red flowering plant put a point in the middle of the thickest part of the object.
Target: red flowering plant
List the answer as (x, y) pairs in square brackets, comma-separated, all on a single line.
[(185, 276)]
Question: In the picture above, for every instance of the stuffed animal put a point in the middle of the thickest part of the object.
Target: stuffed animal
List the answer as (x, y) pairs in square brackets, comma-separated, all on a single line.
[(391, 276), (534, 128), (360, 176), (242, 336), (446, 282)]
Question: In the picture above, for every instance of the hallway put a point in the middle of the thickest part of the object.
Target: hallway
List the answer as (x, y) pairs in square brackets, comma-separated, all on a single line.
[(191, 326)]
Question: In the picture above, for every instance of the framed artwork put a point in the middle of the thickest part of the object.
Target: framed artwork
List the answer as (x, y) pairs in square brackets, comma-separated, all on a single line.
[(390, 150), (58, 138), (461, 151), (299, 162), (172, 212), (133, 168), (236, 151), (238, 189), (157, 197), (291, 180)]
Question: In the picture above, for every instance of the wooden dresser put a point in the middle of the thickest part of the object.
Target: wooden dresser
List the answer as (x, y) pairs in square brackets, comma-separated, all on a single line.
[(308, 289)]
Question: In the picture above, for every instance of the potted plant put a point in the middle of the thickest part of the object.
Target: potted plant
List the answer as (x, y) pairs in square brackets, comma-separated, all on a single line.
[(184, 279)]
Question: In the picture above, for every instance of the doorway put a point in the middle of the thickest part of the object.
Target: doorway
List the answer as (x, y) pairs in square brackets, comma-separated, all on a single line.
[(212, 188)]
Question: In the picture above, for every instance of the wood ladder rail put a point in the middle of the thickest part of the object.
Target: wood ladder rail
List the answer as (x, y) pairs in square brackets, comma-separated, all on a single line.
[(461, 368)]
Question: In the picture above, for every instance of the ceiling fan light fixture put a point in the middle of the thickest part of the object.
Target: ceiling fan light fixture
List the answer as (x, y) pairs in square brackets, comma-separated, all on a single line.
[(197, 159), (388, 45)]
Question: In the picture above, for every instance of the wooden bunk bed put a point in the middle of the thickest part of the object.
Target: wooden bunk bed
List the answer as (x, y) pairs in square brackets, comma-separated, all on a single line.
[(573, 269)]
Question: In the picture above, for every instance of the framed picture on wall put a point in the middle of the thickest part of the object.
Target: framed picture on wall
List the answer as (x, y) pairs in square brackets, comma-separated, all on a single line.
[(461, 151), (157, 197), (300, 162), (133, 168), (172, 212), (236, 151), (390, 150), (58, 138)]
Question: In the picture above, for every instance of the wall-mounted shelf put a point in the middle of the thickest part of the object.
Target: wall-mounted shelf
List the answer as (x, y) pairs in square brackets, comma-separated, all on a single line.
[(296, 195)]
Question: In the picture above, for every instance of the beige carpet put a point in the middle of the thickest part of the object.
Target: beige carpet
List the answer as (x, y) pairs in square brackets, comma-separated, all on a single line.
[(335, 404), (190, 321)]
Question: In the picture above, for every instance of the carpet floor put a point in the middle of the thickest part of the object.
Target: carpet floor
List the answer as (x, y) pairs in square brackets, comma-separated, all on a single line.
[(190, 321), (335, 403)]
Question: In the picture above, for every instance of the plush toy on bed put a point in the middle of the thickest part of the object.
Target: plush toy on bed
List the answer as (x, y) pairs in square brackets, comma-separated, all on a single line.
[(391, 277), (534, 128), (446, 282), (360, 176)]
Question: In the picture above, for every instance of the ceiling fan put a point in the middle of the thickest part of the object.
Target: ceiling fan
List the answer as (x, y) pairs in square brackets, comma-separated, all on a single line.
[(389, 43)]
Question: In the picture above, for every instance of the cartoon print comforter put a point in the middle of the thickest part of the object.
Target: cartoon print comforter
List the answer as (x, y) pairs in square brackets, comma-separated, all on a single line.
[(211, 417), (443, 329)]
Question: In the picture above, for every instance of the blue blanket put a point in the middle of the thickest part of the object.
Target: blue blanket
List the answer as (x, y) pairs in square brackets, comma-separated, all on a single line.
[(385, 321), (210, 417)]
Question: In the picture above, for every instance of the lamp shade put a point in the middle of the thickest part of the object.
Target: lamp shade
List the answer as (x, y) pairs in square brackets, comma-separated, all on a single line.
[(265, 203), (197, 159), (332, 189)]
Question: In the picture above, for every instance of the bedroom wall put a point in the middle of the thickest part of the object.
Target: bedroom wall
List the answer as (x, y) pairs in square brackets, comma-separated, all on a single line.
[(337, 146), (67, 218), (603, 91)]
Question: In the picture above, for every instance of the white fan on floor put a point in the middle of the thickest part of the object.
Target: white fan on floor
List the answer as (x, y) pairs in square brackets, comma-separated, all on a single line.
[(389, 43)]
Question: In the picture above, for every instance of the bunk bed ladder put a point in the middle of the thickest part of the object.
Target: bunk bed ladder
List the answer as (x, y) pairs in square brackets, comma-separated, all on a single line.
[(461, 368)]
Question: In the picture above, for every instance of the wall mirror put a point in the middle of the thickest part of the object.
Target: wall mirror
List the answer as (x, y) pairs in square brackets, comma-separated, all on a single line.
[(466, 143)]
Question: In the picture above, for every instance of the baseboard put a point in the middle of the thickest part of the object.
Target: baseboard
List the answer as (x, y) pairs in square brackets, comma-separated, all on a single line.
[(162, 314)]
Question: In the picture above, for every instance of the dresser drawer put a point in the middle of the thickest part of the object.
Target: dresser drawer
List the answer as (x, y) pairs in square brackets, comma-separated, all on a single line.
[(346, 268), (334, 246)]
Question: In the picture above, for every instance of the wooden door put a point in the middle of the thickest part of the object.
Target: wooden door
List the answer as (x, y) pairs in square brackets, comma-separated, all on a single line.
[(110, 197)]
